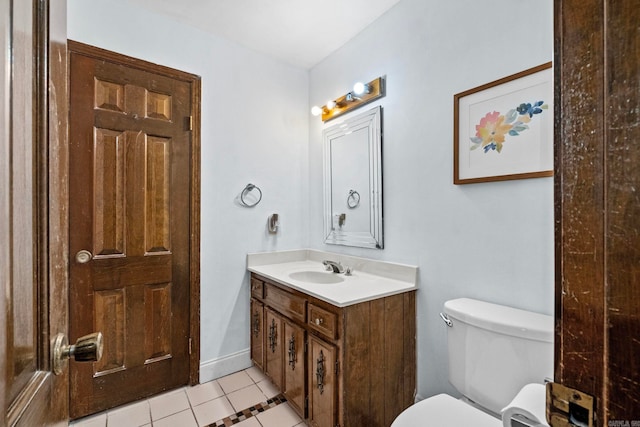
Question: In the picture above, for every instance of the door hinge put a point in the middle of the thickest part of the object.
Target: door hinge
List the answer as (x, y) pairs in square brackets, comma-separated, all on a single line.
[(190, 345), (306, 403), (306, 347), (190, 123), (337, 367)]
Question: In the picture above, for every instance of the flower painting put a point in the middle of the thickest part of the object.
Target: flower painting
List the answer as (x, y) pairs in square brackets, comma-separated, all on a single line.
[(504, 129), (493, 127)]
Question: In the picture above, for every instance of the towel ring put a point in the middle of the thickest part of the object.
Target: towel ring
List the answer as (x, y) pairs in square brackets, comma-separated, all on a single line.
[(353, 199), (248, 189)]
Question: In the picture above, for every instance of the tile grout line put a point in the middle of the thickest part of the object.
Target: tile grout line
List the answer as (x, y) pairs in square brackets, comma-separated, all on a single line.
[(252, 411)]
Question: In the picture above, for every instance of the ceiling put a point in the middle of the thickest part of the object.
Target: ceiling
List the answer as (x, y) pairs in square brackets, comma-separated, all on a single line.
[(299, 32)]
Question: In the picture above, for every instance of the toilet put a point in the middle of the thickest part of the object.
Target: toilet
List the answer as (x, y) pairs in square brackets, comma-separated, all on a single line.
[(493, 352)]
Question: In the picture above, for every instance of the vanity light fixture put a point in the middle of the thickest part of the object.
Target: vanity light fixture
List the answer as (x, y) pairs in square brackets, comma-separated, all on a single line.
[(362, 94)]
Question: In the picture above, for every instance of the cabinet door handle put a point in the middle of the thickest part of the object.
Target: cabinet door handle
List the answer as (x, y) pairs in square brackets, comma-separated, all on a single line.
[(272, 336), (292, 352), (319, 321), (320, 372)]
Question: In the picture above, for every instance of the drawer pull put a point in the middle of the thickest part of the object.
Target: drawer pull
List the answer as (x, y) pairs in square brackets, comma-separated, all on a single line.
[(319, 321), (320, 372), (292, 352)]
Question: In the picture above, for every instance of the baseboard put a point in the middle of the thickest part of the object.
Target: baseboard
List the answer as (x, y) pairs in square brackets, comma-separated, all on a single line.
[(216, 368)]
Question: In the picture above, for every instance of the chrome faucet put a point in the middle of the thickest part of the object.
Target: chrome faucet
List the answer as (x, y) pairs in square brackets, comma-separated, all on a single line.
[(336, 267)]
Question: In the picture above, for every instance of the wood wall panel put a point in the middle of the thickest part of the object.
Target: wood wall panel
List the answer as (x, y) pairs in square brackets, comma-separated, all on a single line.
[(157, 303), (158, 195), (108, 194), (110, 319)]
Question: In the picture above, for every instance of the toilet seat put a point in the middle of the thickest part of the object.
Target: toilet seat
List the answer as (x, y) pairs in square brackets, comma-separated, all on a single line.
[(443, 410)]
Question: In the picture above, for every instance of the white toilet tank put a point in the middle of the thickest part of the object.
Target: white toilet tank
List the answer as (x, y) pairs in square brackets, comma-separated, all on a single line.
[(495, 350)]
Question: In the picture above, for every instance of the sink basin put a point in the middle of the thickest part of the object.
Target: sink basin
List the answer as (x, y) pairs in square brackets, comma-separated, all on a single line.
[(316, 277)]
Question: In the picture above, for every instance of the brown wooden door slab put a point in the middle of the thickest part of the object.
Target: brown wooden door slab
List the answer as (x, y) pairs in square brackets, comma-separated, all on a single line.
[(597, 63), (130, 150), (33, 302)]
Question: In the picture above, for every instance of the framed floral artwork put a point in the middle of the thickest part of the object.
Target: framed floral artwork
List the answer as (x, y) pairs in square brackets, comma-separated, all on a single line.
[(504, 129)]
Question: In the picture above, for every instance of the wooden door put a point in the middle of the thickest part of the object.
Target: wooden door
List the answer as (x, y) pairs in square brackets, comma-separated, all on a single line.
[(33, 301), (597, 180), (294, 364), (257, 333), (274, 347), (322, 383), (130, 187)]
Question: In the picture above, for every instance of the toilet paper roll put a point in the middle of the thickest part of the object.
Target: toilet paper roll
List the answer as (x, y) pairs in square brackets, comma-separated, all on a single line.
[(530, 403)]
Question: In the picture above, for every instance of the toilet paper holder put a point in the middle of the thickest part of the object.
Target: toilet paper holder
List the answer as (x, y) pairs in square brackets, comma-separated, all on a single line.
[(272, 223)]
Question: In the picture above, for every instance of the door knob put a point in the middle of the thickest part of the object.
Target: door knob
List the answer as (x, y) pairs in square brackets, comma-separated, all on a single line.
[(83, 256), (87, 349)]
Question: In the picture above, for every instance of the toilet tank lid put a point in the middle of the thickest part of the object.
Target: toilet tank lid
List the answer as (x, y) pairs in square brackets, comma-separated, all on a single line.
[(500, 318)]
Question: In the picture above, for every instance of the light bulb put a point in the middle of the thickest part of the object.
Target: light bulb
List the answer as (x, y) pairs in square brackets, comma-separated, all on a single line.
[(359, 88), (331, 104), (316, 111)]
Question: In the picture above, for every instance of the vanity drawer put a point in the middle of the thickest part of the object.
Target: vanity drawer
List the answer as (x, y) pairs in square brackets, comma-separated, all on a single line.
[(257, 288), (286, 303), (323, 321)]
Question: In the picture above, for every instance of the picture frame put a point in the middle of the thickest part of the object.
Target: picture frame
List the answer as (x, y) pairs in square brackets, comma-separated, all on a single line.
[(503, 130)]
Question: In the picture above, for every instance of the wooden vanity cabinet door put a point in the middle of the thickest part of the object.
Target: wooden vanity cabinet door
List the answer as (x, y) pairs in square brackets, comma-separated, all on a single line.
[(294, 366), (273, 342), (322, 383), (257, 333)]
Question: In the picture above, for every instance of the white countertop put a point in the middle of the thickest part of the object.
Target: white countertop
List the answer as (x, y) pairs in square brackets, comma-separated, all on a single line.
[(369, 280)]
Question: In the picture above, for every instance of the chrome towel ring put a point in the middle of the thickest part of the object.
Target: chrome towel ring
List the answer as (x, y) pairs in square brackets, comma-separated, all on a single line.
[(353, 199), (247, 190)]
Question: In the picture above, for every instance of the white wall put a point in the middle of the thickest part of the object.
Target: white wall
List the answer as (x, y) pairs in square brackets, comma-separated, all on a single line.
[(254, 129), (491, 241)]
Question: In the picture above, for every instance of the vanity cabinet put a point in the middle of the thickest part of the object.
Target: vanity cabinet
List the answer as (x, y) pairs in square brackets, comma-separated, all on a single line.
[(347, 366)]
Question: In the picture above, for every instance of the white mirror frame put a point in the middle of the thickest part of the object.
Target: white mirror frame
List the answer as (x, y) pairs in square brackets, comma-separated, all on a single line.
[(371, 236)]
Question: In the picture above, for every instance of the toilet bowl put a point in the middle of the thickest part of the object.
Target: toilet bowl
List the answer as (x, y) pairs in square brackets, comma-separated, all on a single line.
[(493, 352), (445, 411)]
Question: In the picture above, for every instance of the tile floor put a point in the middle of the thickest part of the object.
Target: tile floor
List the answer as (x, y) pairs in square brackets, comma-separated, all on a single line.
[(244, 399)]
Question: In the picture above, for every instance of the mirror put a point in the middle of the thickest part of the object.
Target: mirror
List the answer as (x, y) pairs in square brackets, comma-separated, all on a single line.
[(353, 181)]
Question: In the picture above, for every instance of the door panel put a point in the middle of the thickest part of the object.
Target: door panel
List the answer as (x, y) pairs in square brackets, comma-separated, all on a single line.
[(32, 225), (274, 347), (322, 383), (130, 198), (294, 378), (257, 333)]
